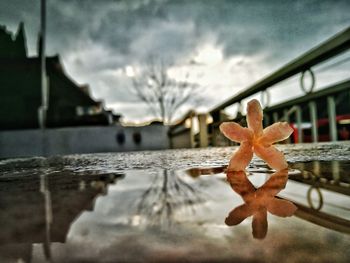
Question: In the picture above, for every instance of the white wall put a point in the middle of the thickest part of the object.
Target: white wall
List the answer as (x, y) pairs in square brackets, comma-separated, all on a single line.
[(20, 143)]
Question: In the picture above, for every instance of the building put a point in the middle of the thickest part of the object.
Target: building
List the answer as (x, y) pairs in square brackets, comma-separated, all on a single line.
[(76, 123), (20, 80)]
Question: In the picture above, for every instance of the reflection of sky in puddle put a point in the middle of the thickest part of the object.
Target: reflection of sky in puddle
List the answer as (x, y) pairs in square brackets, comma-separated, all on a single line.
[(157, 213), (205, 217)]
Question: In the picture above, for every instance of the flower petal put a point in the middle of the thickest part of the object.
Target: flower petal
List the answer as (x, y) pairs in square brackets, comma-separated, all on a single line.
[(280, 207), (259, 224), (236, 132), (276, 132), (241, 158), (241, 184), (275, 184), (255, 117), (273, 157), (238, 214)]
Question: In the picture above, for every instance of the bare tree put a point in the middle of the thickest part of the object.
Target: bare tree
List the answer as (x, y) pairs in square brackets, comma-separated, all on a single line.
[(163, 95)]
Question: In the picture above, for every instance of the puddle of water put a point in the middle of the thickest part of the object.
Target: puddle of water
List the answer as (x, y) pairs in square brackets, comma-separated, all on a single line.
[(320, 189), (68, 214)]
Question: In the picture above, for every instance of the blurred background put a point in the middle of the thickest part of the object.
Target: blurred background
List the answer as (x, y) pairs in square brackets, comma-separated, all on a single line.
[(104, 76)]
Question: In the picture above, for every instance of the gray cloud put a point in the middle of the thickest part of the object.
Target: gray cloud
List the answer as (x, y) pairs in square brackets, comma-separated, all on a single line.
[(172, 27), (95, 37)]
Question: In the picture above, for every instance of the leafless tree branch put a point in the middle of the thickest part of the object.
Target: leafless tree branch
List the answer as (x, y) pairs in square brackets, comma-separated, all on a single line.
[(163, 95)]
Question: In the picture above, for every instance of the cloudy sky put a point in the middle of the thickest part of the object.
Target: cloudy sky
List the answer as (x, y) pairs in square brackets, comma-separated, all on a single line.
[(224, 45)]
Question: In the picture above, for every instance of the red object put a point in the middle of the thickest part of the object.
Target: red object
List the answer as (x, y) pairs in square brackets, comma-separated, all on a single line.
[(344, 133)]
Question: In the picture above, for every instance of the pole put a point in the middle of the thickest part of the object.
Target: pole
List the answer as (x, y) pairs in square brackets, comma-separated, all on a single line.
[(44, 189), (44, 87)]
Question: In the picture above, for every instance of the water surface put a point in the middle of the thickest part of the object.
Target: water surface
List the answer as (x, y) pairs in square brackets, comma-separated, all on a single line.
[(171, 206)]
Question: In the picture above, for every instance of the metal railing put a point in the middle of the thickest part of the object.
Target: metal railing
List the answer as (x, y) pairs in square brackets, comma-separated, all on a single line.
[(330, 48), (310, 106), (310, 102)]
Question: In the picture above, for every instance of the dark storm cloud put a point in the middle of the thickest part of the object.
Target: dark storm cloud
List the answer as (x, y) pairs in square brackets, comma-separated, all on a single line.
[(248, 27), (96, 39), (137, 29)]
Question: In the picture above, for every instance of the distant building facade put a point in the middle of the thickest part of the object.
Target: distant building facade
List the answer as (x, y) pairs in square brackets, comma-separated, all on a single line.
[(75, 123), (20, 87)]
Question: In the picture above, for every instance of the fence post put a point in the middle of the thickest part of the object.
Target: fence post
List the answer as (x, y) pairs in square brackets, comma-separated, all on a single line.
[(286, 118), (299, 117), (203, 130), (192, 132), (313, 118), (332, 118)]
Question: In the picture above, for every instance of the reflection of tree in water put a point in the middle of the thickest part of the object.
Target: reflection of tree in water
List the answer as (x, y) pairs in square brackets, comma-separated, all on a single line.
[(167, 193)]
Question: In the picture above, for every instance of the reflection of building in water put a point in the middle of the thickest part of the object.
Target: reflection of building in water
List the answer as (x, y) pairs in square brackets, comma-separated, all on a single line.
[(70, 104), (40, 208)]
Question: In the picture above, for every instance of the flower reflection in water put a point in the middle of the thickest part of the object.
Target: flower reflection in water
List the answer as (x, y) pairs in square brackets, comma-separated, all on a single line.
[(257, 202)]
